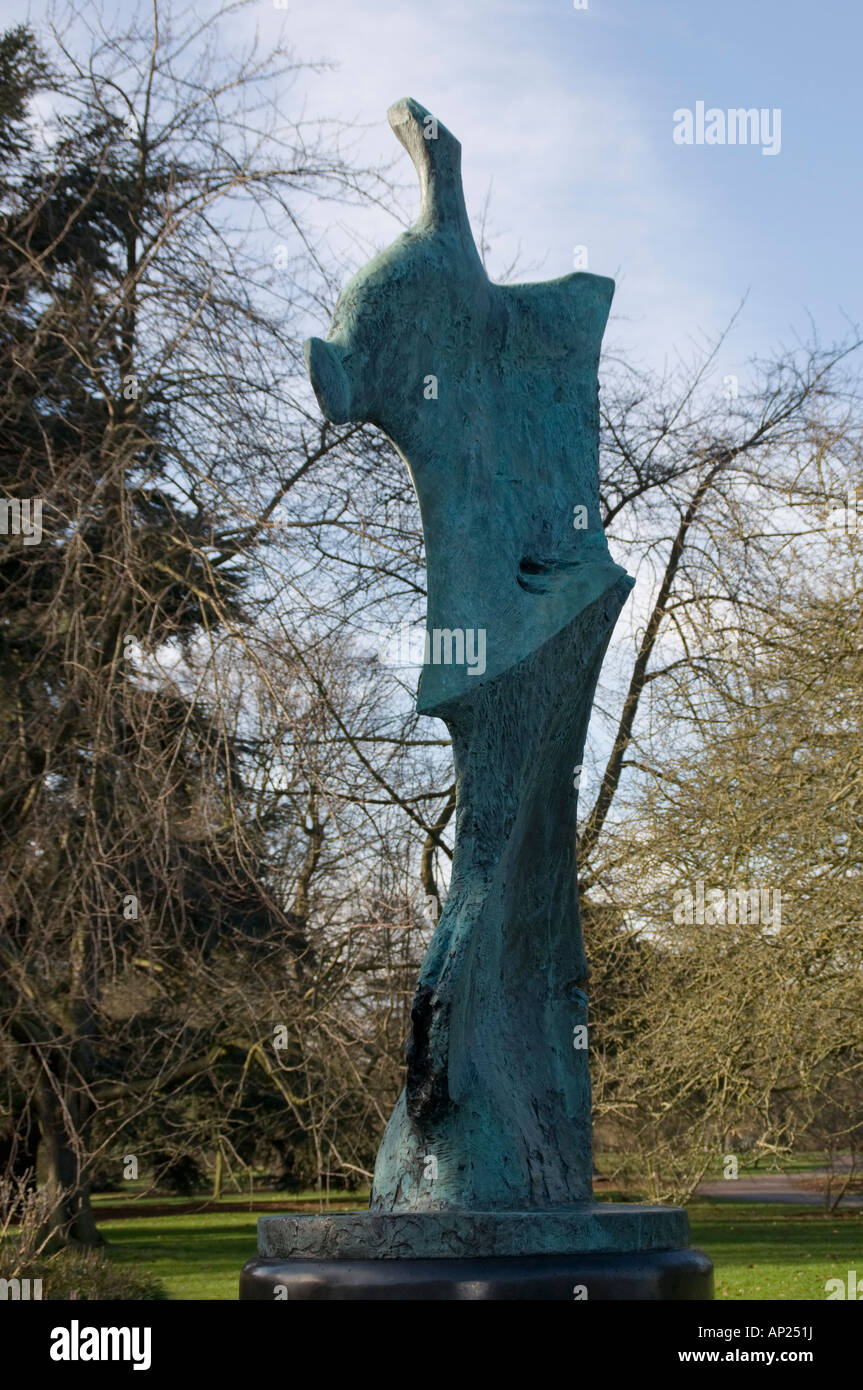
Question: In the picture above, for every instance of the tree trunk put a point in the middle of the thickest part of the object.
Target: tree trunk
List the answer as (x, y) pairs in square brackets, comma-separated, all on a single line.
[(71, 1220), (217, 1177)]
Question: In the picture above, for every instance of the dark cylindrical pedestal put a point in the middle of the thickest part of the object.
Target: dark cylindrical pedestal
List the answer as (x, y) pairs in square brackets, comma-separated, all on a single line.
[(649, 1275)]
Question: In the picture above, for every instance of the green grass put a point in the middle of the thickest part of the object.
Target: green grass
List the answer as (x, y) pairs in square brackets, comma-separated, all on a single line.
[(759, 1251), (607, 1163), (762, 1251), (770, 1163), (195, 1257), (136, 1194)]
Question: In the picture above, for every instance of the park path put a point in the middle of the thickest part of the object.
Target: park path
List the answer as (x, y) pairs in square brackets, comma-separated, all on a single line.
[(775, 1187)]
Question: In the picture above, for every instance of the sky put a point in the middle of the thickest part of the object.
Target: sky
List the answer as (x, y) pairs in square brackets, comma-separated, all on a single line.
[(566, 118)]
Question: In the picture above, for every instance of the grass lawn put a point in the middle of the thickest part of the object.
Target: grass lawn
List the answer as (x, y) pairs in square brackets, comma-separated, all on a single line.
[(607, 1163), (762, 1250), (195, 1257), (759, 1251), (140, 1194)]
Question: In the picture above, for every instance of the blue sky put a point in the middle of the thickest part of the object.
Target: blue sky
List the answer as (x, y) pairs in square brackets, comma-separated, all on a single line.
[(567, 117)]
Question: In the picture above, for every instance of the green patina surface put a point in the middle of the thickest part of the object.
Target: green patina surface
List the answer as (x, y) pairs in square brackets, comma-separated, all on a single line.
[(601, 1227), (490, 394)]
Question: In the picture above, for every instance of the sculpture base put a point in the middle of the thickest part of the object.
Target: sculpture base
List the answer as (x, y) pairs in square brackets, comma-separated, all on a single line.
[(648, 1275), (597, 1250)]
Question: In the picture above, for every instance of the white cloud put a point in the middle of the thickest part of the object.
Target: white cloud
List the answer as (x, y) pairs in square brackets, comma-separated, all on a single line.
[(568, 155)]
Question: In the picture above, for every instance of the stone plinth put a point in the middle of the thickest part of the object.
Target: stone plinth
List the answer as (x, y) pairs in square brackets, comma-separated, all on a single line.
[(599, 1251)]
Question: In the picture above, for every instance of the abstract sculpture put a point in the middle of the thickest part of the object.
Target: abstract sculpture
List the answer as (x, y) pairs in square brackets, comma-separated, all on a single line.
[(490, 395)]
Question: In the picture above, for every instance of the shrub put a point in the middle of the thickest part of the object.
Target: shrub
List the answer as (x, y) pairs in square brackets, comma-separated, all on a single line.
[(88, 1275)]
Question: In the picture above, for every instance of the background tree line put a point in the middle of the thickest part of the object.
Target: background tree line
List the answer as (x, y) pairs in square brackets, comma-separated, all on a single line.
[(225, 832)]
